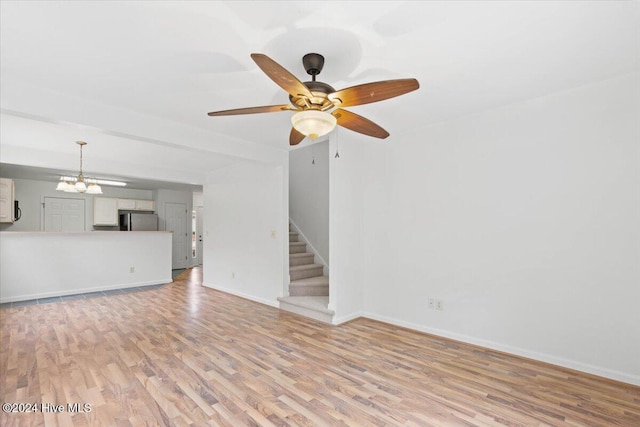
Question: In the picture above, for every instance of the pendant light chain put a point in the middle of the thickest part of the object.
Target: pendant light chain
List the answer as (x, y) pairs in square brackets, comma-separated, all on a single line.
[(80, 175)]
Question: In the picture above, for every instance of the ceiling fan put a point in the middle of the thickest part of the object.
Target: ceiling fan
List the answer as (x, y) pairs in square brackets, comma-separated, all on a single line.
[(318, 106)]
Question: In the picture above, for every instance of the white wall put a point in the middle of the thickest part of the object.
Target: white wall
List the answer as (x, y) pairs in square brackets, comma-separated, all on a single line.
[(524, 221), (30, 193), (346, 284), (245, 203), (39, 127), (71, 263), (309, 195), (198, 199)]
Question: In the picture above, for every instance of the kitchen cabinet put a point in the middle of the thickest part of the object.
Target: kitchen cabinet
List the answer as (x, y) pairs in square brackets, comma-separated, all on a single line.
[(105, 211), (126, 204), (145, 205), (7, 197), (136, 205)]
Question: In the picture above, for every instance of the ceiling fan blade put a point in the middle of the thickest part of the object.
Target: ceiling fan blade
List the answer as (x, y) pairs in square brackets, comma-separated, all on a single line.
[(295, 137), (359, 124), (252, 110), (372, 92), (280, 75)]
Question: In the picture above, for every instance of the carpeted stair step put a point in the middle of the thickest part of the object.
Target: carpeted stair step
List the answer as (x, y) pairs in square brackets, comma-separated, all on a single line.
[(297, 247), (304, 271), (300, 259), (312, 286), (293, 236)]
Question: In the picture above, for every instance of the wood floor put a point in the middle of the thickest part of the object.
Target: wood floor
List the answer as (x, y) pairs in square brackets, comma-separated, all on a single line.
[(183, 354)]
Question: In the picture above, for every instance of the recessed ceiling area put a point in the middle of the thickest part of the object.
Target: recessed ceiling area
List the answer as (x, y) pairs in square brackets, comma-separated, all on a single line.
[(143, 75), (53, 176)]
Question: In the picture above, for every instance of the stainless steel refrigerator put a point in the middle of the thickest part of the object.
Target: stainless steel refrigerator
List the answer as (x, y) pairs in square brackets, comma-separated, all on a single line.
[(138, 222)]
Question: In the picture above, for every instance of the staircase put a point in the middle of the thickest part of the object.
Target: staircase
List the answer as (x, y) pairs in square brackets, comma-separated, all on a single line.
[(308, 286), (306, 278)]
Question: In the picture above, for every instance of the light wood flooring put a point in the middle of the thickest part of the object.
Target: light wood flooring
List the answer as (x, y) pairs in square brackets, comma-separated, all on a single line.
[(182, 354)]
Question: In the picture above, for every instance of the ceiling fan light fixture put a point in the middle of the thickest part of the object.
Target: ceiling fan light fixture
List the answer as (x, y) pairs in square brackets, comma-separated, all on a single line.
[(313, 123)]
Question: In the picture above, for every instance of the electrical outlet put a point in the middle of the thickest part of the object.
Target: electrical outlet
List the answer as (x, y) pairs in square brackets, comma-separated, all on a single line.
[(439, 305), (233, 275), (432, 303), (132, 269), (273, 234)]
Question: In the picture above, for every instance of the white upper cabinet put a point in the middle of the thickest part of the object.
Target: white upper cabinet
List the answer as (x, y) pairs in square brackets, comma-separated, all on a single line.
[(7, 196), (136, 205), (126, 204), (145, 205)]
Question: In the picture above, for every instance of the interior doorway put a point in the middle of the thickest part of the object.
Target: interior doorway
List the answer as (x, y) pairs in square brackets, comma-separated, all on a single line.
[(63, 214), (176, 223), (197, 236)]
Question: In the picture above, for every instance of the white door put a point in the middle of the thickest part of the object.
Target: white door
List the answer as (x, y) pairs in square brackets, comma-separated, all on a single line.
[(198, 259), (176, 223), (62, 214)]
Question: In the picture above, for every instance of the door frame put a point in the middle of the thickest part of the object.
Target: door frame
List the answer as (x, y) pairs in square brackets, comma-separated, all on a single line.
[(199, 231), (186, 237)]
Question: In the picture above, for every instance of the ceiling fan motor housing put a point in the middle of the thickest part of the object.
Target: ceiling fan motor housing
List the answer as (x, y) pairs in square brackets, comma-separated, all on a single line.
[(313, 63), (319, 101)]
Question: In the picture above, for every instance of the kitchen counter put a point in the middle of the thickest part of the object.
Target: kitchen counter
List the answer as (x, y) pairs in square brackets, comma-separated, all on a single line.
[(46, 264)]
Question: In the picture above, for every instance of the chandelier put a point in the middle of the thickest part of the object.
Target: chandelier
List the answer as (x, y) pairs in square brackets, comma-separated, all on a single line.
[(79, 184)]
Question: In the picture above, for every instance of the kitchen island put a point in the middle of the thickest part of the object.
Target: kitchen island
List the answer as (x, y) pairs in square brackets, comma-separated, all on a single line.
[(47, 264)]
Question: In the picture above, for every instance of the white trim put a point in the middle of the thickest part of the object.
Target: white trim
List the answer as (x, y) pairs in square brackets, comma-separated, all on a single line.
[(285, 225), (344, 319), (325, 266), (243, 295), (52, 294), (333, 213), (542, 357)]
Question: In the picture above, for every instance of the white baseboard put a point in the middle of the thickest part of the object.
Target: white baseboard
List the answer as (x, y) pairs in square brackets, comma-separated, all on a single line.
[(542, 357), (62, 293), (242, 295), (344, 319)]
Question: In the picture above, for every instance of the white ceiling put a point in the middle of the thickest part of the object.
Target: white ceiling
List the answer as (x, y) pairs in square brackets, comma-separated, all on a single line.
[(149, 71)]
